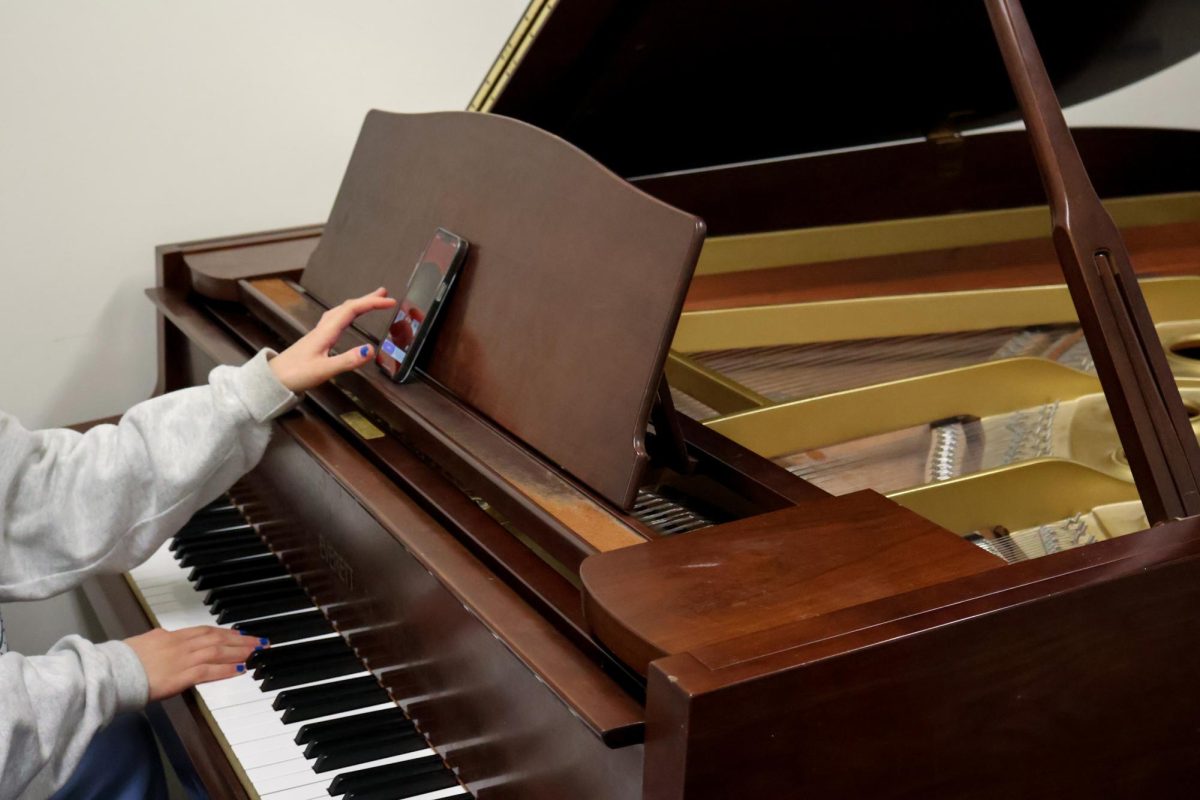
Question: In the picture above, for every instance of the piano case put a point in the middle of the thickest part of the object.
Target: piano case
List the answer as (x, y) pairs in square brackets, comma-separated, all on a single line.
[(575, 589)]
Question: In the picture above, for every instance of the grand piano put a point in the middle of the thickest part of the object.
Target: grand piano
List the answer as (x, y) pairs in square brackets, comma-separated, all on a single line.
[(771, 446)]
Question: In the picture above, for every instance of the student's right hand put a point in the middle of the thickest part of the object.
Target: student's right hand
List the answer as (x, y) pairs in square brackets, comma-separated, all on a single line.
[(178, 660)]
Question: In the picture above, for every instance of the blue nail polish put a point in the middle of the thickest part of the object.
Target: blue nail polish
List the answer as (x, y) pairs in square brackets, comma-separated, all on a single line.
[(260, 647), (362, 351), (263, 641), (241, 667)]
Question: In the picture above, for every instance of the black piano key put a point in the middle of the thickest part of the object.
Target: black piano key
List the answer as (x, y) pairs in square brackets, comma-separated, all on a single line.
[(375, 777), (217, 575), (218, 508), (295, 653), (220, 539), (418, 785), (286, 629), (279, 590), (226, 554), (318, 731), (202, 526), (196, 535), (298, 705), (263, 608), (339, 755), (402, 742), (297, 674), (263, 589)]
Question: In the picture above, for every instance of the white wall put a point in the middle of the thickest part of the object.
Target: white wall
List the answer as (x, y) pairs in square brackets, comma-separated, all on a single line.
[(129, 123)]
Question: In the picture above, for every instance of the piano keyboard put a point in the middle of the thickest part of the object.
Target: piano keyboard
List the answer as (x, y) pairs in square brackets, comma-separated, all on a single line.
[(306, 720)]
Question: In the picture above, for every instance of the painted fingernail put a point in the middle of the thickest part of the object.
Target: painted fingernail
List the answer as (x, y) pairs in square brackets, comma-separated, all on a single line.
[(264, 641), (243, 633), (362, 351), (241, 667), (260, 647)]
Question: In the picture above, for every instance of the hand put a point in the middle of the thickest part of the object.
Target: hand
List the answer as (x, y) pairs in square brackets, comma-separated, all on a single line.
[(307, 363), (178, 660)]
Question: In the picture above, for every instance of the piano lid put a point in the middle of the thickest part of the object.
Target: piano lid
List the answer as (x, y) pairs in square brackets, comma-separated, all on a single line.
[(649, 87)]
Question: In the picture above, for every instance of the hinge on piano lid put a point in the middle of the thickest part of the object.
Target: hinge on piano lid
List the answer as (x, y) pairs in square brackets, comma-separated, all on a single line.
[(948, 138), (669, 448)]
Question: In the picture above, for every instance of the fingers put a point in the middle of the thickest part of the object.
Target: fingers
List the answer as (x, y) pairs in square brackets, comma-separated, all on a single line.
[(336, 319), (206, 673)]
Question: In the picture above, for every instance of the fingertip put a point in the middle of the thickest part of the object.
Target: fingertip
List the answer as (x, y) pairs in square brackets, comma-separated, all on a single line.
[(364, 351)]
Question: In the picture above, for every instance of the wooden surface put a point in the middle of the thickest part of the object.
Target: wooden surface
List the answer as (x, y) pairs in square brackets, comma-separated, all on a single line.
[(676, 595), (559, 324), (1028, 681)]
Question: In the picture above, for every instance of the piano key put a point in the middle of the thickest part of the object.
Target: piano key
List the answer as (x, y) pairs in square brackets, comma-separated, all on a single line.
[(288, 628), (212, 518), (283, 677), (302, 704), (362, 749), (370, 778), (222, 562), (243, 590), (263, 608), (217, 575), (316, 731), (218, 600), (300, 652), (205, 533), (216, 541), (298, 772), (244, 689), (260, 726), (413, 787), (225, 554)]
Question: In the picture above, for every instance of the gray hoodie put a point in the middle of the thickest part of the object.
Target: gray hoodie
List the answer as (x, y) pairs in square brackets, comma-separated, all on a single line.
[(74, 505)]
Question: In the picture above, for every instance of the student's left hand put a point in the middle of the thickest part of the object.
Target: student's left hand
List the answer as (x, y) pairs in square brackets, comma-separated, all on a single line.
[(307, 363)]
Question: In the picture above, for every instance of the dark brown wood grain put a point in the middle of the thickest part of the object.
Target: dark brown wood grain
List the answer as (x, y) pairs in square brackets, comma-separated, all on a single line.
[(560, 321), (678, 595), (1076, 685)]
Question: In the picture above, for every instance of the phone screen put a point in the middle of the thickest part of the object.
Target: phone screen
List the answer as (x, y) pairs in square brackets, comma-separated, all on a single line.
[(426, 289)]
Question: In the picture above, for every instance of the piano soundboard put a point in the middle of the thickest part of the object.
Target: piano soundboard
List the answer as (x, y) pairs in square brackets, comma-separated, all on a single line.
[(306, 719)]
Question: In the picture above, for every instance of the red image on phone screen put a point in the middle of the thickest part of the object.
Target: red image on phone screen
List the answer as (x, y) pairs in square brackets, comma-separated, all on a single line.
[(426, 292)]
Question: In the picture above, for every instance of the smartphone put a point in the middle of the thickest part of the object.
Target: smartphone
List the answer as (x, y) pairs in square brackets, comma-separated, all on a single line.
[(423, 299)]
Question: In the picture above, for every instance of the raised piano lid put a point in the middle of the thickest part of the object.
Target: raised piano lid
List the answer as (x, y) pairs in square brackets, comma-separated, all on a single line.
[(652, 87), (569, 297)]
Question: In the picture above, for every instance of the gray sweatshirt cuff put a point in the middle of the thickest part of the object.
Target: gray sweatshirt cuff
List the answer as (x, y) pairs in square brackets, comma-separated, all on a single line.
[(129, 676), (261, 392)]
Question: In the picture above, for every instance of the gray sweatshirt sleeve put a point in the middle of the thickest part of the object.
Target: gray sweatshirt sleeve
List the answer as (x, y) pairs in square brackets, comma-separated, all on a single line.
[(72, 505)]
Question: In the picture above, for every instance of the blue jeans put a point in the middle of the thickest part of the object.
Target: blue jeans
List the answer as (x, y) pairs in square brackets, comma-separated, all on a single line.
[(121, 763)]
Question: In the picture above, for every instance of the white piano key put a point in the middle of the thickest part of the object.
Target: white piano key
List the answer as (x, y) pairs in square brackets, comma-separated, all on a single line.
[(260, 727), (320, 792), (244, 689), (299, 772), (265, 752), (262, 743)]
